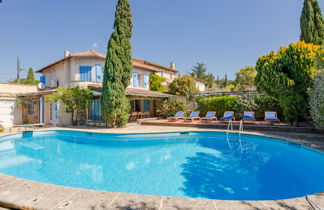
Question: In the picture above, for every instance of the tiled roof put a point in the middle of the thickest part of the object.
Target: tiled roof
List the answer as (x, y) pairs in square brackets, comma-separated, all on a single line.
[(135, 92), (92, 53)]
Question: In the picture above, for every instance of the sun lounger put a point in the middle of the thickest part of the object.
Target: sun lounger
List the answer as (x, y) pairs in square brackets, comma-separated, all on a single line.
[(270, 116), (228, 115), (192, 117), (249, 116), (176, 117), (209, 116)]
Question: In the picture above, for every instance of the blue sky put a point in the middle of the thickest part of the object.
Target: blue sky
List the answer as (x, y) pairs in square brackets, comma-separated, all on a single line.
[(226, 35)]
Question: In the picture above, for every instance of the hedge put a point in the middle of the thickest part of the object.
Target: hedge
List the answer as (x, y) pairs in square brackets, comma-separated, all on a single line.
[(239, 104)]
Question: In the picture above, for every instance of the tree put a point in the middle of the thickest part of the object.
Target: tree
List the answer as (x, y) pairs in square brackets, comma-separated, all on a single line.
[(225, 81), (183, 85), (76, 100), (287, 76), (317, 101), (245, 77), (312, 23), (156, 83), (199, 70), (30, 75), (118, 68)]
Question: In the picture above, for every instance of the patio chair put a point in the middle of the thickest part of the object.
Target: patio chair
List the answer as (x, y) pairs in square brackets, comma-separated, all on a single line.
[(192, 117), (271, 116), (178, 116), (209, 117), (249, 116), (228, 115)]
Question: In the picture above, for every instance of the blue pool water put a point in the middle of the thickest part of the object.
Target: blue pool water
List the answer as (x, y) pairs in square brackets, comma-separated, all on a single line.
[(190, 164)]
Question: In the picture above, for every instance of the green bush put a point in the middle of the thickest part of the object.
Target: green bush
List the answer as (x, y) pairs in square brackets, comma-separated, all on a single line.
[(317, 101), (220, 104), (170, 107)]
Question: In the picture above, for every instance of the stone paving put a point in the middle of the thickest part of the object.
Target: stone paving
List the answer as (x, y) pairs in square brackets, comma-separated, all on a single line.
[(18, 193)]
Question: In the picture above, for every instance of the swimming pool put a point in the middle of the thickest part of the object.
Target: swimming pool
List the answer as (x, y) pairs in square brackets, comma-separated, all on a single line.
[(190, 164)]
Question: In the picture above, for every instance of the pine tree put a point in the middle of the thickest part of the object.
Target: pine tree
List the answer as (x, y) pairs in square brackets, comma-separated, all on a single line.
[(30, 75), (312, 23), (118, 68)]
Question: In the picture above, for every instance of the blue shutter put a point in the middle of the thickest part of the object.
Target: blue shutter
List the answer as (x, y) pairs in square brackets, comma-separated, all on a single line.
[(99, 73), (147, 106), (85, 73), (135, 81), (82, 78), (89, 74), (146, 80), (43, 80)]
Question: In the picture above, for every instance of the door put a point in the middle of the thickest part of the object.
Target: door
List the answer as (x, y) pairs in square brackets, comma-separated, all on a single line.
[(41, 110), (6, 112), (147, 106), (54, 113)]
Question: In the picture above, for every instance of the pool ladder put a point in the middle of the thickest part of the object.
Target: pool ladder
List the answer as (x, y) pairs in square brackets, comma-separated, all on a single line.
[(230, 126)]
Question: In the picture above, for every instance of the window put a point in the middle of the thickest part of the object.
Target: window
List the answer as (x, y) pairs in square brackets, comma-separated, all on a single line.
[(99, 73), (95, 110), (135, 80), (146, 80), (85, 73), (139, 80), (31, 107)]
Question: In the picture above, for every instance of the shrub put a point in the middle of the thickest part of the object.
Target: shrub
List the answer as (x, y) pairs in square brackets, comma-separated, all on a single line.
[(156, 83), (287, 76), (220, 104), (317, 101), (171, 106)]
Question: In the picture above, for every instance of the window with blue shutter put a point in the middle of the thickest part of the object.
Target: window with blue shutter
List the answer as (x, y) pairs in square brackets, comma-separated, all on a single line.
[(42, 79), (146, 78), (85, 73), (99, 73), (135, 80)]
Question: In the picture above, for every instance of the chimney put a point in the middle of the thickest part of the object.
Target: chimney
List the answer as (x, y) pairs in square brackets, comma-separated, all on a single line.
[(67, 53), (172, 65)]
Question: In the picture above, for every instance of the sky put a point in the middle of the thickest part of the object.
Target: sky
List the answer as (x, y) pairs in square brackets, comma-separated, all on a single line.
[(226, 35)]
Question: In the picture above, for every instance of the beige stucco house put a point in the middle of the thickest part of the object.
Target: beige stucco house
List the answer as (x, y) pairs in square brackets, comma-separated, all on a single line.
[(85, 69)]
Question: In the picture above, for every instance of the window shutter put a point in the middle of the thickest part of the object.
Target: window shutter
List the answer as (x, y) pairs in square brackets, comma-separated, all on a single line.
[(145, 80), (43, 80), (85, 73), (135, 81), (147, 105), (99, 73)]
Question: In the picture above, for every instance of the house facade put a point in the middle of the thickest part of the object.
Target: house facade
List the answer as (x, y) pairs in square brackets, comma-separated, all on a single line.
[(85, 69)]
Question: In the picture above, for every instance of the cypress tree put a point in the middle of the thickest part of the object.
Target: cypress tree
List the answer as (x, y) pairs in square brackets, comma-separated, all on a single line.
[(118, 68), (312, 23)]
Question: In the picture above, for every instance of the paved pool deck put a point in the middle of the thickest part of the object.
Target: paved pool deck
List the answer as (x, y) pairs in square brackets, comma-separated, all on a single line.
[(24, 194)]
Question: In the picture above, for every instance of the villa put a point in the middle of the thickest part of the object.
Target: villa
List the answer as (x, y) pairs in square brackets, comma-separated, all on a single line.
[(85, 69)]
